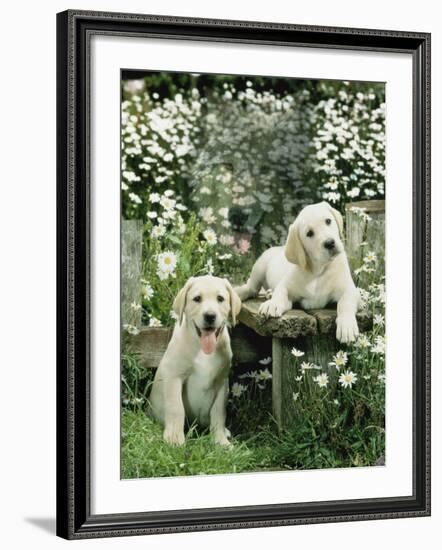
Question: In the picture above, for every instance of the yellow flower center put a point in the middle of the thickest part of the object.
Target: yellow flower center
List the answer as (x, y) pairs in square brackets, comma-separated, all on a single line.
[(167, 260)]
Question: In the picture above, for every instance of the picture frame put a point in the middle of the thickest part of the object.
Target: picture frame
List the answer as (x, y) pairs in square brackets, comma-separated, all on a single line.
[(75, 29)]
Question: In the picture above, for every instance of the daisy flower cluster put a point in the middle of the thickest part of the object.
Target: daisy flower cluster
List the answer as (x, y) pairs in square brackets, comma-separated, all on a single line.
[(348, 158), (158, 142), (324, 375)]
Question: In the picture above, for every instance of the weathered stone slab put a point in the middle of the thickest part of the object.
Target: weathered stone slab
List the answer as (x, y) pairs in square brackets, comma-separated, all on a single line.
[(326, 320), (295, 322)]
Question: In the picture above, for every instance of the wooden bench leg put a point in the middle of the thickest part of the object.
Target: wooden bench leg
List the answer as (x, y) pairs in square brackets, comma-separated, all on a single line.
[(317, 349), (277, 380)]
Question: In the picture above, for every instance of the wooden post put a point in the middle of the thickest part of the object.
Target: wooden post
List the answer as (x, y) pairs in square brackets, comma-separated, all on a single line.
[(131, 244), (365, 232), (277, 375)]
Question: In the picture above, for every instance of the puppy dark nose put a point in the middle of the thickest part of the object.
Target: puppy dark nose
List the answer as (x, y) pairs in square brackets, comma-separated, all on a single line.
[(329, 244), (209, 318)]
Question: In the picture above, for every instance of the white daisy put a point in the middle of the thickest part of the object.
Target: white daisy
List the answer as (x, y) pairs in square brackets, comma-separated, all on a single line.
[(265, 361), (135, 306), (158, 231), (378, 320), (370, 257), (207, 214), (147, 291), (298, 378), (295, 396), (362, 342), (210, 236), (379, 346), (237, 389), (169, 192), (265, 374), (166, 262), (154, 197), (339, 360), (347, 379), (135, 198), (167, 203), (152, 215), (322, 380), (297, 353), (154, 322)]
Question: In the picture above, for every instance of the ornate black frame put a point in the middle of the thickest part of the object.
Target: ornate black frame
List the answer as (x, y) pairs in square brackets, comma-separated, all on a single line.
[(74, 29)]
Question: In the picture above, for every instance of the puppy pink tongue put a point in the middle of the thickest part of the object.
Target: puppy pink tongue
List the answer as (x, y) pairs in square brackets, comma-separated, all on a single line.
[(208, 341)]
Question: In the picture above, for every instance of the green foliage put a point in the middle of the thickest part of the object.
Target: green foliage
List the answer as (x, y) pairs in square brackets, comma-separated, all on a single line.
[(135, 381)]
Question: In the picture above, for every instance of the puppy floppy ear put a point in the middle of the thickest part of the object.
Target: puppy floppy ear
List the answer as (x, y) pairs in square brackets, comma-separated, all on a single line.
[(180, 300), (235, 302), (338, 218), (294, 249)]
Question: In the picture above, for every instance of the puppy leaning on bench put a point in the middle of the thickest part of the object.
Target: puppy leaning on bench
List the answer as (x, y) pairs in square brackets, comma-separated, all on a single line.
[(311, 269), (192, 377)]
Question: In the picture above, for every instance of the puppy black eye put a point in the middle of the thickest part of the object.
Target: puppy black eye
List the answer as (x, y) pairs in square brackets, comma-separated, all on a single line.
[(310, 233), (197, 299), (220, 299), (328, 221)]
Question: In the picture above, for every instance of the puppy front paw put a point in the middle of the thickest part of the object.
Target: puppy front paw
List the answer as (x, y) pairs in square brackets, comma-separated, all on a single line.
[(271, 308), (174, 436), (220, 438), (346, 328)]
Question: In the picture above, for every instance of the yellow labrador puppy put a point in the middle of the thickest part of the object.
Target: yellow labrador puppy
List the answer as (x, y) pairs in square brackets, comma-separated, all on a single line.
[(192, 378), (312, 269)]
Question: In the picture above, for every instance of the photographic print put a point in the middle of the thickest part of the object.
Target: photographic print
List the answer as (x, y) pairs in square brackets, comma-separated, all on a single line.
[(252, 274)]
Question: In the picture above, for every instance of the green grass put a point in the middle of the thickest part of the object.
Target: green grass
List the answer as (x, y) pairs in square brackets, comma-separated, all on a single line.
[(350, 436), (146, 454)]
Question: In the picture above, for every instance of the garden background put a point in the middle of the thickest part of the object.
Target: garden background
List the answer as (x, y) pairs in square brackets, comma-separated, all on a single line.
[(216, 167)]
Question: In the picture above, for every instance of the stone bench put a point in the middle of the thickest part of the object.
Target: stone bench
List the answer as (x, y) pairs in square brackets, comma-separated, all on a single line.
[(312, 331)]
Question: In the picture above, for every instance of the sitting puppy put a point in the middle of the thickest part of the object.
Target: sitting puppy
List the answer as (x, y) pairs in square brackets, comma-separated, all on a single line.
[(192, 378), (311, 269)]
